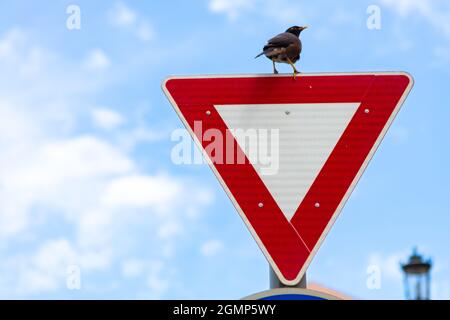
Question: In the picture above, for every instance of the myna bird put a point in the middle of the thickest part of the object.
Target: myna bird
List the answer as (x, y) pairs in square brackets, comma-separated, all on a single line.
[(284, 48)]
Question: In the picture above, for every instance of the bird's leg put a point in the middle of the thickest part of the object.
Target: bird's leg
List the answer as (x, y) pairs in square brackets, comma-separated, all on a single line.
[(293, 67), (275, 71)]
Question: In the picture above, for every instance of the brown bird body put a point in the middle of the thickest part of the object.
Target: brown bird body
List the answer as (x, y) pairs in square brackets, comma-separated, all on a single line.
[(284, 48)]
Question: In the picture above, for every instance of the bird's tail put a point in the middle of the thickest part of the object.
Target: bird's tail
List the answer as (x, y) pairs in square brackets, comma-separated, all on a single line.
[(259, 55)]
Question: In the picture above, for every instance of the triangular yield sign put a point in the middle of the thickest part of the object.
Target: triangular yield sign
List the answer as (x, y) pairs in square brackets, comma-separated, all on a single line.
[(326, 127)]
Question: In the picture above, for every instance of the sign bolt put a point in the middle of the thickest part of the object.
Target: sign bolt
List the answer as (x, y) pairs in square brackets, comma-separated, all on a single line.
[(260, 204), (317, 205), (208, 113), (366, 110)]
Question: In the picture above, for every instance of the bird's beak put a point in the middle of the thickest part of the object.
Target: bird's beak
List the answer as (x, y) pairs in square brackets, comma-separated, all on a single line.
[(304, 27)]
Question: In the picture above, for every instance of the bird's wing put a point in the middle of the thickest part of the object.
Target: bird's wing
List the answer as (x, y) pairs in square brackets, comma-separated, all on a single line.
[(283, 40), (279, 44)]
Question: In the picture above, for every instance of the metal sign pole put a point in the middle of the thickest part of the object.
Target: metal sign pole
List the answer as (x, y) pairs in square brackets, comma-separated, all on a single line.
[(275, 283)]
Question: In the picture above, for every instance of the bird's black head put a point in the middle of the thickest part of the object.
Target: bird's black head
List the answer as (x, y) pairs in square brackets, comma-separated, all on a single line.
[(296, 30)]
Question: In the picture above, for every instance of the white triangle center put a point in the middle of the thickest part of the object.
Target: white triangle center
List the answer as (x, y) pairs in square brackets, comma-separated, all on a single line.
[(292, 144)]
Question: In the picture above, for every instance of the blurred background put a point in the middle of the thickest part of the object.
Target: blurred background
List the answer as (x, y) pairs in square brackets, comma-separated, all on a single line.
[(91, 205)]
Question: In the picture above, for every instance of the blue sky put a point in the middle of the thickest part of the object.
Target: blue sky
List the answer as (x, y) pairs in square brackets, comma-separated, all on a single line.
[(86, 178)]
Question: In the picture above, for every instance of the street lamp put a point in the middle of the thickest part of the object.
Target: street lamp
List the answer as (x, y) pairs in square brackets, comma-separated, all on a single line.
[(417, 277)]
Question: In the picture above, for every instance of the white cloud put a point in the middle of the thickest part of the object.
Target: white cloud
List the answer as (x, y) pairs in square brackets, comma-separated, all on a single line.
[(126, 18), (54, 254), (90, 259), (90, 185), (145, 31), (59, 162), (133, 268), (155, 275), (157, 285), (211, 248), (50, 79), (97, 60), (45, 270), (121, 15), (435, 12), (405, 7), (231, 8), (157, 279), (9, 43), (46, 173), (141, 191), (11, 52), (345, 17), (131, 138), (279, 10), (15, 124), (169, 230), (107, 119)]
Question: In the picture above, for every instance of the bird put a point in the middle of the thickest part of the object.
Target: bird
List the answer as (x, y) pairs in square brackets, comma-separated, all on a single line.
[(284, 48)]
